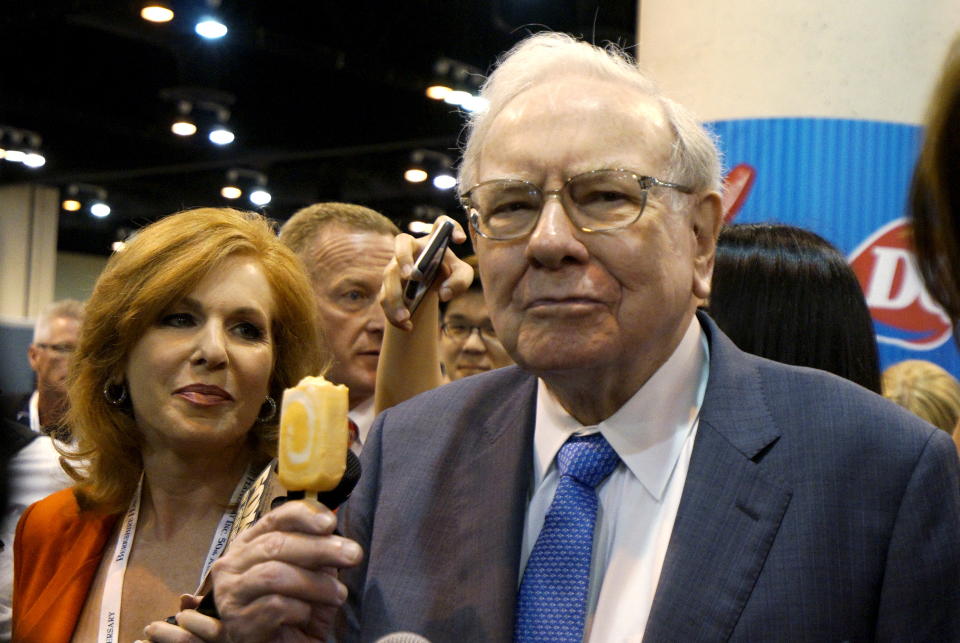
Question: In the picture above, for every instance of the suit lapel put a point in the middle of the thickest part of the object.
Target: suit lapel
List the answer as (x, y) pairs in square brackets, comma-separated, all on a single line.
[(730, 510), (495, 480)]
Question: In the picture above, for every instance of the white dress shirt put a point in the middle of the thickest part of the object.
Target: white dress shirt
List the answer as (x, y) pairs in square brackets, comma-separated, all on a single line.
[(362, 415), (34, 406), (653, 433)]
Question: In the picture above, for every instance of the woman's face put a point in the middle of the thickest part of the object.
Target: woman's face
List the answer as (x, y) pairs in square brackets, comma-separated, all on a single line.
[(200, 373), (478, 350)]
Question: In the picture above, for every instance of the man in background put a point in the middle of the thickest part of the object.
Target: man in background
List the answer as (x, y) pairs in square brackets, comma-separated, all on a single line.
[(55, 336), (345, 248), (29, 424)]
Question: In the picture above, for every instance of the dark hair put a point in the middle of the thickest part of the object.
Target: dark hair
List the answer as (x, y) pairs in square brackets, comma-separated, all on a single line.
[(475, 286), (787, 294), (934, 201)]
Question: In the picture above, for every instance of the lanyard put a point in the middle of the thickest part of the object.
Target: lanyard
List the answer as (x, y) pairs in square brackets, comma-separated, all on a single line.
[(113, 587)]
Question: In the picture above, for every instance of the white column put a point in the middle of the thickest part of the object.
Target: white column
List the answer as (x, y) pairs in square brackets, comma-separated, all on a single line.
[(28, 248)]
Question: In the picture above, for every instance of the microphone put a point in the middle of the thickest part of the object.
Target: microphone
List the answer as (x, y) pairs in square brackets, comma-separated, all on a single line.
[(402, 637)]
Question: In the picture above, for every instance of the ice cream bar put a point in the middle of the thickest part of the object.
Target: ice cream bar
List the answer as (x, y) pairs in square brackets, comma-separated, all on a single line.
[(314, 435)]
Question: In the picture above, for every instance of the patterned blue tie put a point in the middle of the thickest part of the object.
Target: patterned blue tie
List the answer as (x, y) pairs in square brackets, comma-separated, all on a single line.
[(551, 604)]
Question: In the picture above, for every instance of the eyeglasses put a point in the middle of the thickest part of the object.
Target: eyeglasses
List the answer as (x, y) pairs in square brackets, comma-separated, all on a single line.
[(504, 209), (63, 349), (461, 331)]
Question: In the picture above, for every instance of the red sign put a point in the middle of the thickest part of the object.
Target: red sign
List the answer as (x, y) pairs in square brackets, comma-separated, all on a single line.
[(904, 312)]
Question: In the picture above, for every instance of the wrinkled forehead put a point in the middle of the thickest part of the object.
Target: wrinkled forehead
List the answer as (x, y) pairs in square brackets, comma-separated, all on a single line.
[(600, 121)]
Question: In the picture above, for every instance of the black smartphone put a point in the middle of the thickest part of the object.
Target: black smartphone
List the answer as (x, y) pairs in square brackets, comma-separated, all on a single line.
[(426, 265)]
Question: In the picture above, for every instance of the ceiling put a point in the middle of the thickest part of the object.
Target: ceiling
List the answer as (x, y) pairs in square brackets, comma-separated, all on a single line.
[(328, 97)]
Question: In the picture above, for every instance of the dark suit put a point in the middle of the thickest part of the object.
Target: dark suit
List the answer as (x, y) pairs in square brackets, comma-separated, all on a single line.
[(16, 407), (813, 510)]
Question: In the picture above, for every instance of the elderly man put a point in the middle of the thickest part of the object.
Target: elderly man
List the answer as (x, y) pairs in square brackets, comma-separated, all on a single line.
[(345, 248), (55, 334), (637, 476), (32, 462)]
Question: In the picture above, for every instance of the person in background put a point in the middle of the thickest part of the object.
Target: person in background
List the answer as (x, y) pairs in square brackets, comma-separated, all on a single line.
[(345, 248), (33, 426), (192, 334), (54, 340), (31, 471), (468, 341), (925, 389), (787, 294), (934, 200)]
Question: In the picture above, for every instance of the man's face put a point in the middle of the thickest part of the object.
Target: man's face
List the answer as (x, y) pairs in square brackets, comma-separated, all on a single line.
[(346, 266), (50, 353), (602, 304)]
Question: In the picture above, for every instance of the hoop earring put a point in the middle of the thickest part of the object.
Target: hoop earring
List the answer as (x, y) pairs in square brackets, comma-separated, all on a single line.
[(113, 397), (272, 411)]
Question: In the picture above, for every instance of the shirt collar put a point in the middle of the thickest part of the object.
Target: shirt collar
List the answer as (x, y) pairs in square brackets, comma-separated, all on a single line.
[(649, 430), (363, 415)]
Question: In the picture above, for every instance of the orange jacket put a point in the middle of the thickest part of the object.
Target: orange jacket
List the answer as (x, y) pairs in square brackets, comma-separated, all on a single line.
[(56, 554)]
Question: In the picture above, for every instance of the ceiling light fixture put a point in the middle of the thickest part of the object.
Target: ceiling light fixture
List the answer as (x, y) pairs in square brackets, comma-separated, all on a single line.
[(157, 12), (78, 196), (242, 181), (210, 26), (425, 164), (456, 83), (21, 146), (199, 108)]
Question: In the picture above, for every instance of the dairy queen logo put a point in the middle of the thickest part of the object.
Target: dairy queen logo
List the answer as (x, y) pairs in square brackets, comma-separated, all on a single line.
[(903, 312)]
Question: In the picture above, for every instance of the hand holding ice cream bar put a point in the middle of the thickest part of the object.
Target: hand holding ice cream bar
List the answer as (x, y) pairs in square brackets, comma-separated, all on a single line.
[(314, 435)]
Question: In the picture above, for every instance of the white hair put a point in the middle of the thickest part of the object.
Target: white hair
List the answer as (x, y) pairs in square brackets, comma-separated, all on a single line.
[(550, 57), (64, 308)]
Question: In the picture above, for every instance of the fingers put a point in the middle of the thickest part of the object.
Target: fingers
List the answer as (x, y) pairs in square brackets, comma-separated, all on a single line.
[(301, 516), (192, 627), (281, 575), (458, 275)]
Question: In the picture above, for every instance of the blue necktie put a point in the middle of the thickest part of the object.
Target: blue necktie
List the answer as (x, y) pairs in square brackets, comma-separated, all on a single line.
[(551, 604)]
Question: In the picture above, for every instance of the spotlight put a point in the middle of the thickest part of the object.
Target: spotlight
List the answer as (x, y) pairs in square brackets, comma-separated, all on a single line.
[(183, 124), (415, 175), (419, 227), (457, 97), (99, 209), (157, 12), (427, 163), (220, 135), (242, 181), (80, 195), (260, 197), (34, 160), (201, 109), (21, 146), (438, 91), (456, 83), (210, 28), (444, 181)]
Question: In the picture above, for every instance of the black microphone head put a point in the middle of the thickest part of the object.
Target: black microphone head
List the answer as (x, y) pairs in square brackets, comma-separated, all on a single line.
[(336, 496), (402, 637)]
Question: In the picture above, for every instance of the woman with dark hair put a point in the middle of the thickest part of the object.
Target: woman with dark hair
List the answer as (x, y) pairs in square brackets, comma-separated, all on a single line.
[(934, 201), (787, 294), (192, 334)]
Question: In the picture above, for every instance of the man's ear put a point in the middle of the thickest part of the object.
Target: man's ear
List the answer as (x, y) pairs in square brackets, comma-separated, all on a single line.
[(33, 356), (706, 219)]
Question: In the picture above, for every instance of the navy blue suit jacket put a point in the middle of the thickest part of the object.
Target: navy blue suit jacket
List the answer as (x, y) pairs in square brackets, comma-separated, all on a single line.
[(813, 510)]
